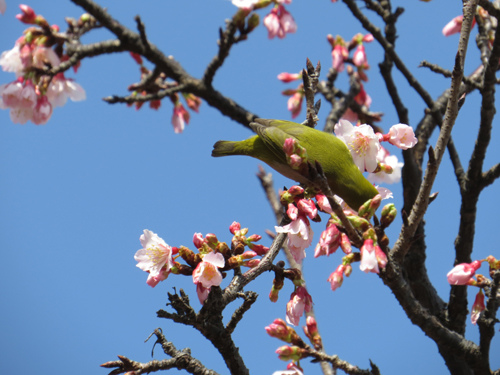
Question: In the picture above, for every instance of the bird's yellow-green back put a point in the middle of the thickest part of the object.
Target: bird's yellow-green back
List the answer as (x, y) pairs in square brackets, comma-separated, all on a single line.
[(342, 174)]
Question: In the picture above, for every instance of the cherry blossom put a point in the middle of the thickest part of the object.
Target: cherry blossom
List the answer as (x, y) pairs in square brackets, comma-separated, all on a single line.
[(402, 136), (300, 236), (61, 88), (328, 242), (154, 255), (359, 58), (3, 6), (477, 307), (383, 156), (206, 274), (462, 273), (180, 117), (362, 142), (42, 111), (369, 262), (300, 301), (279, 22), (292, 369), (245, 4)]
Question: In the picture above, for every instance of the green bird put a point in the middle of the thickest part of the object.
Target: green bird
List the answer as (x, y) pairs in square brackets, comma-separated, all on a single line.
[(343, 175)]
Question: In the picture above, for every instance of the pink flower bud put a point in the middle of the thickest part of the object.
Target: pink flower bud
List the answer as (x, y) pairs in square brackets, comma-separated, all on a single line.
[(462, 273), (28, 15), (292, 211), (296, 190), (307, 207), (198, 240), (234, 227), (289, 77), (345, 243), (337, 277), (477, 307)]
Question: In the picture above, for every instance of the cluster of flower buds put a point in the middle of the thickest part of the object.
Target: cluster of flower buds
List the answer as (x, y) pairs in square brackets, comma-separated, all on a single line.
[(341, 50), (278, 22), (369, 155), (206, 266), (371, 256), (150, 85), (463, 274), (34, 93), (298, 349)]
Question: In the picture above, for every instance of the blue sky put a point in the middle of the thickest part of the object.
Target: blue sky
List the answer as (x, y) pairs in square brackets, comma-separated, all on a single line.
[(75, 195)]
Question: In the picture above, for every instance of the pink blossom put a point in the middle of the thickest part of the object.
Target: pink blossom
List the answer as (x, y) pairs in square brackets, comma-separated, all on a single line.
[(202, 293), (61, 89), (153, 281), (300, 236), (279, 22), (300, 301), (401, 135), (369, 262), (154, 255), (180, 117), (292, 369), (323, 203), (3, 6), (295, 103), (206, 274), (289, 77), (383, 156), (329, 241), (19, 94), (42, 111), (359, 58), (11, 60), (462, 273), (292, 211), (337, 277), (362, 143), (245, 4), (43, 57), (198, 240), (477, 307), (339, 56), (272, 23)]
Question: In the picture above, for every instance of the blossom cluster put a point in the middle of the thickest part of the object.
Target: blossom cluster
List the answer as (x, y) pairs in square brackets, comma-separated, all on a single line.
[(278, 22), (206, 266), (463, 274), (297, 348), (368, 153), (34, 93)]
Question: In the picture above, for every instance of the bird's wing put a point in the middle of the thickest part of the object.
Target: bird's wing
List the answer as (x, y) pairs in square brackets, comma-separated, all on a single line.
[(273, 138)]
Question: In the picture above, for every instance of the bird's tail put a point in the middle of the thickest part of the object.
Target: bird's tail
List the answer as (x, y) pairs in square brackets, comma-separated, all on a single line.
[(224, 148)]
